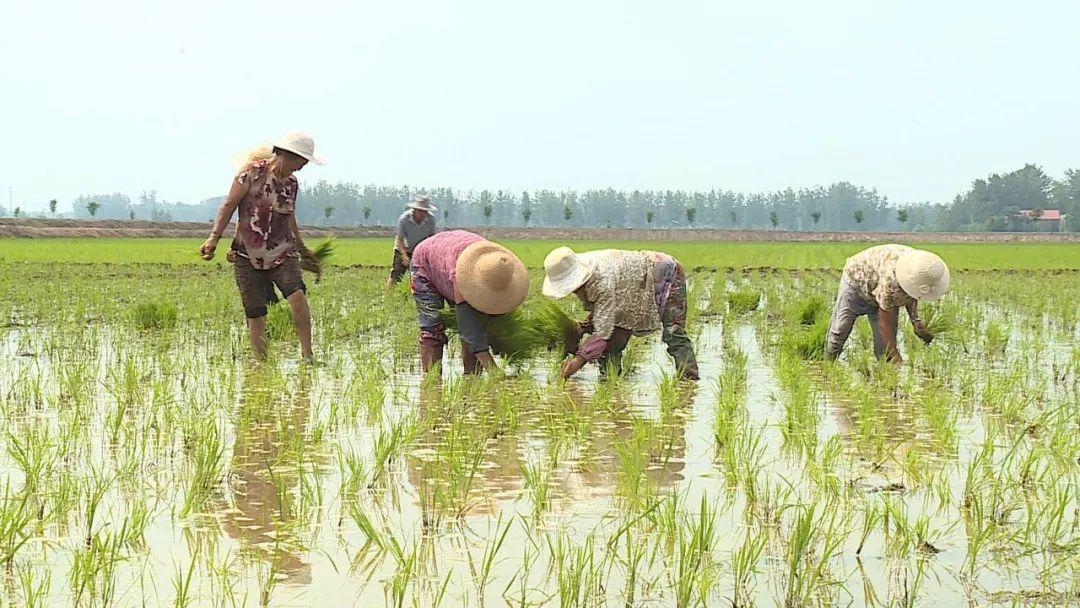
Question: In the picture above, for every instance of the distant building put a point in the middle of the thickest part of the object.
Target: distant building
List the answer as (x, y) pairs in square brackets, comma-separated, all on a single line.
[(1048, 220)]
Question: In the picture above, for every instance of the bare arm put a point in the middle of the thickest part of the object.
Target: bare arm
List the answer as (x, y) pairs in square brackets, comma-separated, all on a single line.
[(887, 320), (236, 194), (399, 245), (917, 324)]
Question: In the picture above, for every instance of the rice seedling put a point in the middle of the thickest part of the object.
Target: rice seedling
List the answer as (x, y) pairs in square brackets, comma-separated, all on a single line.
[(744, 560), (112, 430)]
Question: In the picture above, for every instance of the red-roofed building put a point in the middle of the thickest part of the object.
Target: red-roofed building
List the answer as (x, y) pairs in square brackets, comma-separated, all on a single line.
[(1046, 220)]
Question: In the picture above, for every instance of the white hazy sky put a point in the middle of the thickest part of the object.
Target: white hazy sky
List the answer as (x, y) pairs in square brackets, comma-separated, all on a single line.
[(915, 98)]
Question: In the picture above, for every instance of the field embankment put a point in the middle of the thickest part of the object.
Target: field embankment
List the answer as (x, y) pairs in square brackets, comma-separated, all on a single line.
[(45, 228)]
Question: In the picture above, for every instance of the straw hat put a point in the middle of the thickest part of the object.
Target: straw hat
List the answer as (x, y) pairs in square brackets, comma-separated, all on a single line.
[(423, 203), (922, 275), (300, 144), (491, 279), (566, 271)]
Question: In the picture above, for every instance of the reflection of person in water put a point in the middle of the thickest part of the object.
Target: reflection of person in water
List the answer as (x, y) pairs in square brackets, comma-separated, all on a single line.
[(252, 512), (500, 480)]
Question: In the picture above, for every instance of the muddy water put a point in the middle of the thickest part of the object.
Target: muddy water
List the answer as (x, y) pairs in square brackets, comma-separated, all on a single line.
[(278, 531)]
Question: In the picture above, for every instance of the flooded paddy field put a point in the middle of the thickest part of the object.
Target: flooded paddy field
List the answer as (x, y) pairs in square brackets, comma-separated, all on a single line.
[(148, 461)]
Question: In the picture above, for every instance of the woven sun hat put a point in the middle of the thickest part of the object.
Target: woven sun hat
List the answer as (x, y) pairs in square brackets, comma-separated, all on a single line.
[(423, 203), (300, 144), (922, 275), (566, 271), (491, 279)]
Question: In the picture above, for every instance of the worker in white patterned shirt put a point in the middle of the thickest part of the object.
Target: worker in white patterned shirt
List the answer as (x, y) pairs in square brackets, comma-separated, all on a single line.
[(877, 282)]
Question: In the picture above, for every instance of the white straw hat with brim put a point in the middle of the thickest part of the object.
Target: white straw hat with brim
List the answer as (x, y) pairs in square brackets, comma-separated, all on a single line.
[(300, 144), (423, 203), (922, 275), (566, 272), (491, 279)]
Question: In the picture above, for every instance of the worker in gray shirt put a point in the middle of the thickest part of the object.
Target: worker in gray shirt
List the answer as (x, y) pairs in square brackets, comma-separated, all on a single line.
[(415, 225)]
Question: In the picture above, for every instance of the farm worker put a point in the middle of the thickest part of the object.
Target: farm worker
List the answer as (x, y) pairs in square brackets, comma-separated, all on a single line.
[(478, 278), (626, 293), (415, 225), (267, 240), (877, 282)]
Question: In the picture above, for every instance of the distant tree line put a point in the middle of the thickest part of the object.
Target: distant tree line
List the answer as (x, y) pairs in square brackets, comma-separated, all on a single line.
[(993, 203)]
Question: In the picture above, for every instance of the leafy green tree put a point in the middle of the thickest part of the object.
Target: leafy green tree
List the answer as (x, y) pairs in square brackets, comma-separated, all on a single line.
[(816, 216), (733, 218), (328, 211), (488, 209), (92, 208), (52, 206), (567, 212), (526, 213), (691, 213), (367, 212), (18, 211), (774, 219), (649, 216), (902, 215), (858, 215)]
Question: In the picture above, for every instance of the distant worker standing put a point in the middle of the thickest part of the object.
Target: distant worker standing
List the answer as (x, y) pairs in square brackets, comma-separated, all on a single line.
[(877, 282), (415, 225), (626, 293)]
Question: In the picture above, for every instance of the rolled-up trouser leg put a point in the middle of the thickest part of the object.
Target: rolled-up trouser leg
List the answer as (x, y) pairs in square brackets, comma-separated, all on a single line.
[(848, 308), (673, 320)]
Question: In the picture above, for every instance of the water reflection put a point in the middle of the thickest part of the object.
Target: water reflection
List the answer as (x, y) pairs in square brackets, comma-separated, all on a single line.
[(258, 508), (487, 458)]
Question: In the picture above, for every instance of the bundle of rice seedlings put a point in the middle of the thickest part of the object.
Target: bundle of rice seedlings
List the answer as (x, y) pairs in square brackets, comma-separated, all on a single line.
[(321, 253), (520, 334), (554, 328), (279, 323), (154, 315), (937, 319), (743, 300)]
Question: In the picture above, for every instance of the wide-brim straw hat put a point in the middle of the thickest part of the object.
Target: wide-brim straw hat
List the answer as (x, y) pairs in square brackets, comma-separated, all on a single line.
[(491, 279), (922, 275), (566, 272), (423, 203), (300, 144)]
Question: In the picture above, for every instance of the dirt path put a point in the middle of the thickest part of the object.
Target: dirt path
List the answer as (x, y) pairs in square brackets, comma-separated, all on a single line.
[(44, 228)]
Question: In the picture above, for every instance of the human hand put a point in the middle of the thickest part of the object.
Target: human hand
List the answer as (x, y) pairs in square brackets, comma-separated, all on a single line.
[(572, 365), (206, 250), (921, 331)]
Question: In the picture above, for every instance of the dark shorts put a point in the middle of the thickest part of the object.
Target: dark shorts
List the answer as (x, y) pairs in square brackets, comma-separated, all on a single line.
[(254, 284)]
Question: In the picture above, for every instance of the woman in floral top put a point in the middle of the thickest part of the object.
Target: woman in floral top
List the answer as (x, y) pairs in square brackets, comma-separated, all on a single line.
[(626, 293), (267, 240), (878, 282)]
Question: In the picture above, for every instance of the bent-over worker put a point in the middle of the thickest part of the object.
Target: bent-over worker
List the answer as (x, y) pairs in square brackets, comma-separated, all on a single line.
[(478, 278), (877, 282), (626, 293)]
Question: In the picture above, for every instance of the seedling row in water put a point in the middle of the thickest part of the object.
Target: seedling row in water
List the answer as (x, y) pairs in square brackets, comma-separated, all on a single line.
[(149, 461)]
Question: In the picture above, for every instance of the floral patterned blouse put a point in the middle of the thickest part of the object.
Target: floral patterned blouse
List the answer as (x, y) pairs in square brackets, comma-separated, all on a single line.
[(622, 292), (264, 233), (628, 290), (872, 273)]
